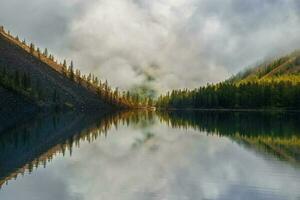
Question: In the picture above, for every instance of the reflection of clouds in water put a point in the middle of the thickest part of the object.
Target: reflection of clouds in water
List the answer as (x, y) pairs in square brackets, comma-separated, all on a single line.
[(45, 184), (186, 165)]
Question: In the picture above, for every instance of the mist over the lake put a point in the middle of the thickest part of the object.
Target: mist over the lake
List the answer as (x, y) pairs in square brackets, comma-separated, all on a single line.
[(161, 44)]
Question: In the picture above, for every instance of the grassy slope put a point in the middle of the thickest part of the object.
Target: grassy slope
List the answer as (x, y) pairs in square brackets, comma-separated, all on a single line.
[(13, 57), (284, 68)]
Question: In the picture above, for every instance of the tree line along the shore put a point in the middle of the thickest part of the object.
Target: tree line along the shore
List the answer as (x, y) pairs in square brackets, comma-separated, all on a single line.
[(283, 94)]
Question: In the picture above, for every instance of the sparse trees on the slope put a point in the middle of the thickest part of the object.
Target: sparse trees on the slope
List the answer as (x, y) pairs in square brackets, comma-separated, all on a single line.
[(103, 90)]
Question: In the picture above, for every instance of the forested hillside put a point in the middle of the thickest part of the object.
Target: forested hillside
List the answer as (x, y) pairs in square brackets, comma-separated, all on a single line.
[(272, 85)]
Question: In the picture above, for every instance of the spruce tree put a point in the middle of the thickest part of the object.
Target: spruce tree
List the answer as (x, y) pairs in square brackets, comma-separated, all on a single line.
[(64, 68), (32, 48), (46, 52), (71, 71)]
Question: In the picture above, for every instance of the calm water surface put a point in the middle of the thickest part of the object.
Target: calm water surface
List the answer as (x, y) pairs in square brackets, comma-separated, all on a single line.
[(147, 155)]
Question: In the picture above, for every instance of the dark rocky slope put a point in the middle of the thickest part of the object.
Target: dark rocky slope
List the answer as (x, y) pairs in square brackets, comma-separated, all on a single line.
[(13, 58), (14, 108)]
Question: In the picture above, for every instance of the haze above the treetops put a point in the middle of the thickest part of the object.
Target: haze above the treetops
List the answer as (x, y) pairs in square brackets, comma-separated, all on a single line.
[(164, 44)]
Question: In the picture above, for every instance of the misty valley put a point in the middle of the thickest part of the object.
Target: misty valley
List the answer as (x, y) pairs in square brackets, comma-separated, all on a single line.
[(153, 155)]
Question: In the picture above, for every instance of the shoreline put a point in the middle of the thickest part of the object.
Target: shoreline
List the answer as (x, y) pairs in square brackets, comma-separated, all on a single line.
[(230, 109)]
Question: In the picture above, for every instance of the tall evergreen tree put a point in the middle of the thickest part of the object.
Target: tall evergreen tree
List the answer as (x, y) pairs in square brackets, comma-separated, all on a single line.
[(71, 71)]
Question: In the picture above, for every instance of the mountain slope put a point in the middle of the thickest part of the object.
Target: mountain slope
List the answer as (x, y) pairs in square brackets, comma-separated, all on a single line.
[(46, 79), (285, 67), (273, 85), (14, 108)]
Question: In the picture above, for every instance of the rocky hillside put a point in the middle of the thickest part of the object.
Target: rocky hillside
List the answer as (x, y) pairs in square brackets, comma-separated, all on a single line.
[(53, 87), (14, 108)]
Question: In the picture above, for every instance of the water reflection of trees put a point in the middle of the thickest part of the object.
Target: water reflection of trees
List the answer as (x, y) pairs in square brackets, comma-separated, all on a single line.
[(34, 144), (272, 133)]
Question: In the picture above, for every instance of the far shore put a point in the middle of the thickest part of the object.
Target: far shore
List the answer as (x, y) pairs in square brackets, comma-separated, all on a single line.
[(230, 109)]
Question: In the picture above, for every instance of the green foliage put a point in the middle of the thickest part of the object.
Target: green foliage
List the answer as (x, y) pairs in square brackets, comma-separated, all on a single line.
[(274, 84), (250, 95)]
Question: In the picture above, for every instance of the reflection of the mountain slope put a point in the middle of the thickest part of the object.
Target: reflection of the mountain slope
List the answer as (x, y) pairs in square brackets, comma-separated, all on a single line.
[(273, 133), (36, 142), (287, 149)]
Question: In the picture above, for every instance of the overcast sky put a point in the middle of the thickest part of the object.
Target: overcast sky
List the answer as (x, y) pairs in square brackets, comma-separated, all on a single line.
[(163, 43)]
